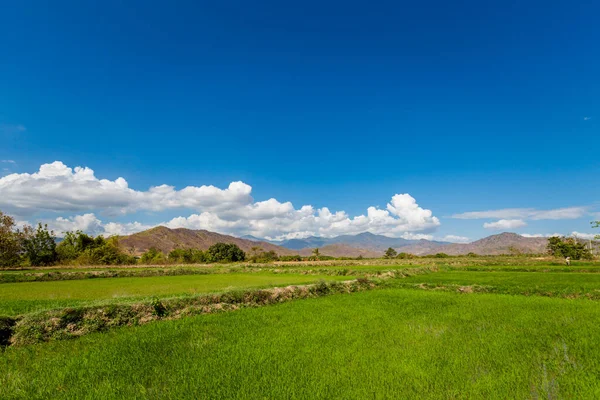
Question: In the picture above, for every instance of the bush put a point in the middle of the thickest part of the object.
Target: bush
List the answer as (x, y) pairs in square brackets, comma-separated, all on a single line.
[(80, 248), (153, 256), (187, 256), (405, 256), (225, 252), (290, 258), (264, 256), (441, 255)]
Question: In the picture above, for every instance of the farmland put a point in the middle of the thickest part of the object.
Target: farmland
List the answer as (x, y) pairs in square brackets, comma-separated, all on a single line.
[(25, 297), (427, 328)]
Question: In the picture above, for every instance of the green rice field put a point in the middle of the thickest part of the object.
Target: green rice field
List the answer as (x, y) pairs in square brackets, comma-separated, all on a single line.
[(489, 331), (26, 297)]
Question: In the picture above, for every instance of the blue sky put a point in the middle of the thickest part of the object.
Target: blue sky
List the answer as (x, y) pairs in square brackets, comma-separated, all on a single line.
[(477, 106)]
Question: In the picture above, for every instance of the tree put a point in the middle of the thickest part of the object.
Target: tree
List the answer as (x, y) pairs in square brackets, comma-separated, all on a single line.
[(83, 249), (180, 256), (153, 256), (255, 253), (39, 246), (316, 253), (225, 252), (596, 224), (568, 247), (390, 253), (10, 242), (187, 256)]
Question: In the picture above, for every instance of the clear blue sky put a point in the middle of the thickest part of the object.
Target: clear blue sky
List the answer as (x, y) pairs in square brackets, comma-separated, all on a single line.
[(467, 106)]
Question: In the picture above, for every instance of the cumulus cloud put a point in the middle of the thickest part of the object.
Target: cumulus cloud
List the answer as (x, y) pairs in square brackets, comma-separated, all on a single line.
[(56, 187), (579, 235), (416, 236), (91, 224), (526, 213), (61, 189), (455, 239), (587, 236), (281, 222), (540, 235), (504, 224)]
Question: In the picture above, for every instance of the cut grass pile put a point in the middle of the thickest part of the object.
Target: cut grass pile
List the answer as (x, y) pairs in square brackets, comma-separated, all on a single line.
[(563, 284), (27, 297), (391, 343)]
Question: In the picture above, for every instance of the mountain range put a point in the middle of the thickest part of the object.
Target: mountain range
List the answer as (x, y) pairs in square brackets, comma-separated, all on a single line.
[(365, 244)]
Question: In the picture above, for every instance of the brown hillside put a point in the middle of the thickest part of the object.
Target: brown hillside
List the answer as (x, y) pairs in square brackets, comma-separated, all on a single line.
[(504, 243), (165, 240), (342, 250)]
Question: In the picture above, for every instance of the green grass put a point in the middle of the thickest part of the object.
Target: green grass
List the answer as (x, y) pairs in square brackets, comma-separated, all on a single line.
[(390, 343), (545, 283), (26, 297)]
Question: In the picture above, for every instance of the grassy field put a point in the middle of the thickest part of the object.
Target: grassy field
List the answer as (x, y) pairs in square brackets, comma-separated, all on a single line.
[(549, 283), (487, 329), (390, 343), (25, 297)]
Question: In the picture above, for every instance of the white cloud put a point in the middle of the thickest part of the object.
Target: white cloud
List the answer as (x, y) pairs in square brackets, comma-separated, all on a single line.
[(455, 239), (90, 224), (87, 223), (416, 236), (60, 189), (579, 235), (504, 224), (56, 187), (587, 236), (280, 221), (587, 118), (8, 161), (540, 235), (526, 213)]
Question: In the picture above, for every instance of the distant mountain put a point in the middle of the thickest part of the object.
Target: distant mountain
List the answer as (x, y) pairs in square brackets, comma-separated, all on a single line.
[(166, 239), (342, 250), (367, 245), (254, 238), (365, 240), (309, 242), (371, 245), (503, 243)]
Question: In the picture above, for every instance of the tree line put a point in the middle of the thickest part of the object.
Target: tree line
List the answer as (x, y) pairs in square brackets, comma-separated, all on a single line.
[(28, 246)]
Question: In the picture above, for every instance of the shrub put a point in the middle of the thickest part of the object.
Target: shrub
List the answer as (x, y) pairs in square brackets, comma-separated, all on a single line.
[(187, 256), (405, 256), (263, 256), (290, 258), (153, 256), (441, 255), (225, 252)]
